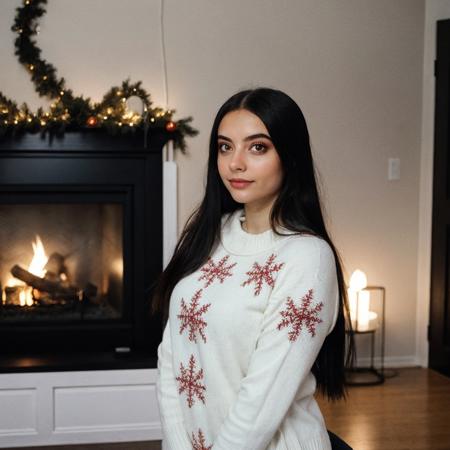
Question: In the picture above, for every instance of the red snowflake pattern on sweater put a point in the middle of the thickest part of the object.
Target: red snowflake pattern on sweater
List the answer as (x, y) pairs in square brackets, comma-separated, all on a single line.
[(260, 274), (198, 442), (190, 382), (297, 317), (211, 270), (191, 316)]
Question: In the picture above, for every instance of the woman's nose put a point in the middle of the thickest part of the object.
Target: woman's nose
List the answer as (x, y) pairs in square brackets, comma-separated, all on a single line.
[(237, 161)]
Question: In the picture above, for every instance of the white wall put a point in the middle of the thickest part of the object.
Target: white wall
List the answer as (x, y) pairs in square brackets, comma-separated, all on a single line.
[(354, 66)]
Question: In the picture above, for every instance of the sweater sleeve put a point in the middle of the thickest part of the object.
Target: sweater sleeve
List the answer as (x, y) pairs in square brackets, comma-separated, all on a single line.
[(301, 311), (174, 434)]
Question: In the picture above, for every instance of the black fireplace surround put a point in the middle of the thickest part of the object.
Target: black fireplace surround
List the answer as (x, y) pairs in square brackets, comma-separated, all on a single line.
[(95, 203)]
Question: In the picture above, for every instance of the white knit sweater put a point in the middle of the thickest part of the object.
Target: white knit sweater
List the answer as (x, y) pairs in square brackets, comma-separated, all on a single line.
[(234, 365)]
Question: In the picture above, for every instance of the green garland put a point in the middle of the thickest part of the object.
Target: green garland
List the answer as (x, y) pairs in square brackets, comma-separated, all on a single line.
[(75, 113)]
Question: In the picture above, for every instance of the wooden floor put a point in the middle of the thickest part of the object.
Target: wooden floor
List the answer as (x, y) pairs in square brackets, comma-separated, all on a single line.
[(407, 412)]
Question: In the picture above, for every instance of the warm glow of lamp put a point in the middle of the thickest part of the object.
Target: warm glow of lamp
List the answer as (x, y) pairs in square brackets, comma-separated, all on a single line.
[(358, 280), (359, 302), (363, 309)]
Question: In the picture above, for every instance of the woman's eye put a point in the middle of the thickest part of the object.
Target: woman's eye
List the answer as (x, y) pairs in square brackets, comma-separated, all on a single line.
[(260, 148), (223, 147)]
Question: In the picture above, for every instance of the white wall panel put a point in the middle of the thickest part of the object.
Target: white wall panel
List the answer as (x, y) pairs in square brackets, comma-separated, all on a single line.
[(18, 411), (57, 408), (95, 407)]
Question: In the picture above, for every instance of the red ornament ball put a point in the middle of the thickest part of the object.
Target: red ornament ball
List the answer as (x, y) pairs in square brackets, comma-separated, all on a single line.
[(171, 126), (92, 121)]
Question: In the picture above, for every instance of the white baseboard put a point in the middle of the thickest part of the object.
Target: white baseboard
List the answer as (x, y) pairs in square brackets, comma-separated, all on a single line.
[(391, 361)]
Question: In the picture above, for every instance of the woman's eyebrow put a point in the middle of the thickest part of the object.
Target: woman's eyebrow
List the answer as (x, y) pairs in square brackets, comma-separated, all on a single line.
[(248, 138)]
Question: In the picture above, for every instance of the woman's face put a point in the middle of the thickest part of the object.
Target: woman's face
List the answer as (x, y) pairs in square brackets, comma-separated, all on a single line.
[(246, 152)]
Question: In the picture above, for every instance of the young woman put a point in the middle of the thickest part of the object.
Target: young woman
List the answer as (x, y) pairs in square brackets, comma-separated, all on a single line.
[(253, 300)]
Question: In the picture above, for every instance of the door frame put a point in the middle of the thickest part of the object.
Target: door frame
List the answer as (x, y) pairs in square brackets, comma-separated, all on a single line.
[(434, 10)]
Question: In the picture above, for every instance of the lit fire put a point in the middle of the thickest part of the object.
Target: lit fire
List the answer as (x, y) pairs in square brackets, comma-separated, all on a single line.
[(36, 267), (39, 260)]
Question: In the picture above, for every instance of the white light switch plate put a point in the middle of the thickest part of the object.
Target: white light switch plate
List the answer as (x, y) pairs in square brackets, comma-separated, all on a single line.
[(393, 169)]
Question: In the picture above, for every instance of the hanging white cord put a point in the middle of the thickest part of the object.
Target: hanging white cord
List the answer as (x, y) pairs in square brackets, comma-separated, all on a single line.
[(165, 83), (169, 170), (163, 54)]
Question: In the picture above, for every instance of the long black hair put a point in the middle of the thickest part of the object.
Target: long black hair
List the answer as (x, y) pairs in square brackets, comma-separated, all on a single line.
[(297, 207)]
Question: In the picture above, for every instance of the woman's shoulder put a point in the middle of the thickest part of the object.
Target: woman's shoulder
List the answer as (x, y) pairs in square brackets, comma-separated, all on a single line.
[(306, 248), (305, 258)]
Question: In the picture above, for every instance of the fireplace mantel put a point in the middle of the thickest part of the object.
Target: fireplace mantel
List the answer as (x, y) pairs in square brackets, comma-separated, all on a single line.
[(89, 140)]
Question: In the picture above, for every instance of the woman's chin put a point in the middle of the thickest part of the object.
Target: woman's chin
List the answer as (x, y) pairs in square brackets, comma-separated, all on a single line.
[(239, 198)]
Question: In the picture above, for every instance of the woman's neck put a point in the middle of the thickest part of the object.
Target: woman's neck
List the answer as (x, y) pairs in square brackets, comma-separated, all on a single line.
[(257, 220)]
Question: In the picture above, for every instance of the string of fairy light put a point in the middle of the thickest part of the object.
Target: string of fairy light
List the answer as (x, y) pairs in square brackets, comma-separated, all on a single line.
[(69, 112)]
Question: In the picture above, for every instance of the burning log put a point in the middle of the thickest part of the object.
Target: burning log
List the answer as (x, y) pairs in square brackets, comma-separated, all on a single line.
[(12, 295), (56, 264), (53, 287), (48, 284), (46, 299)]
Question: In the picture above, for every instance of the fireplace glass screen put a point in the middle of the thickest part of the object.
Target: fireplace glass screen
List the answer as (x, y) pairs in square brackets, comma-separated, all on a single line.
[(61, 262)]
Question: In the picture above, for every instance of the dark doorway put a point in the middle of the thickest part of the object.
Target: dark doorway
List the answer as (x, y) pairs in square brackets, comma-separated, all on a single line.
[(439, 331)]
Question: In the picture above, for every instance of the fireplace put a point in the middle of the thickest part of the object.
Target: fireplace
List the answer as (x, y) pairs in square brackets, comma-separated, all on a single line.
[(77, 275), (80, 246)]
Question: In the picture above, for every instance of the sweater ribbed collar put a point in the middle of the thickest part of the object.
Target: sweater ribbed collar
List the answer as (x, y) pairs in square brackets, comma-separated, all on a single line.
[(239, 242)]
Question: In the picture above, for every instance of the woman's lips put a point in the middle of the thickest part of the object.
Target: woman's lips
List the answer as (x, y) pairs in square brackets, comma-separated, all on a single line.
[(240, 184)]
